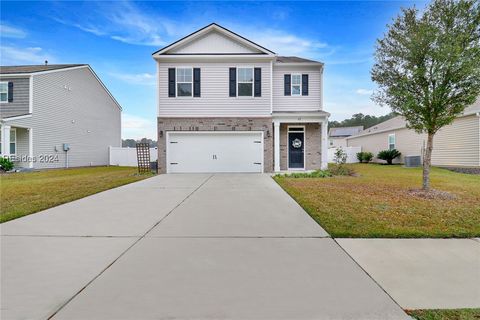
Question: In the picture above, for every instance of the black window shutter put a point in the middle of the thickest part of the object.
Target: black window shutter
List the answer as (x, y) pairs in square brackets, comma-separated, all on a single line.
[(10, 91), (196, 82), (304, 84), (286, 86), (233, 82), (171, 82), (257, 76)]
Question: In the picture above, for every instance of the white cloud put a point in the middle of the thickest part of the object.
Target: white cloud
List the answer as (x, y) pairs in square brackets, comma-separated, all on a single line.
[(125, 22), (364, 92), (11, 32), (30, 55), (135, 127), (136, 78)]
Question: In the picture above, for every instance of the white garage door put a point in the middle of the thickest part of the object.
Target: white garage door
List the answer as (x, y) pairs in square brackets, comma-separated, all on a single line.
[(214, 152)]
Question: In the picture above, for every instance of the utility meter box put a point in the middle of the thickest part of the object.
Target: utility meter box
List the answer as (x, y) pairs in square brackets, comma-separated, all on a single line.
[(66, 147)]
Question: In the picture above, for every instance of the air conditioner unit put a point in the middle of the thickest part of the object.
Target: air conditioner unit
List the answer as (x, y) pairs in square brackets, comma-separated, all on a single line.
[(413, 161)]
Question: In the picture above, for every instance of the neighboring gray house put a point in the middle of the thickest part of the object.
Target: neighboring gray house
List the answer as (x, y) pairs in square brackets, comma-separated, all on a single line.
[(45, 108), (227, 104), (455, 145), (336, 136)]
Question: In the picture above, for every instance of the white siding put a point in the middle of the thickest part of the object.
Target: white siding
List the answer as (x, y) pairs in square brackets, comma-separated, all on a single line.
[(455, 145), (85, 116), (213, 42), (312, 102), (214, 100), (458, 144)]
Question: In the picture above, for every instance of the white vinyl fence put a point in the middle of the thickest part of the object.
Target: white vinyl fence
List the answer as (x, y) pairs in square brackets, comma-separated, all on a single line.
[(127, 157), (351, 154)]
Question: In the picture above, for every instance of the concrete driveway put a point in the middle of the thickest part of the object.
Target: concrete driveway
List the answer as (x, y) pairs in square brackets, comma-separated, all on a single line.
[(227, 246)]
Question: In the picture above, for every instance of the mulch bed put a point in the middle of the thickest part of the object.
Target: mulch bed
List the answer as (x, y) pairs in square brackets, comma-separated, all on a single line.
[(432, 194)]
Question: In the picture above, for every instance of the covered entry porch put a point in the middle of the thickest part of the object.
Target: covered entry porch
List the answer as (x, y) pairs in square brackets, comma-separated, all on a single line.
[(300, 140), (16, 144)]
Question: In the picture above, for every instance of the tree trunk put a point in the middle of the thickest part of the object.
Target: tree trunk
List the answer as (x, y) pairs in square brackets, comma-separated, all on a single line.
[(427, 160)]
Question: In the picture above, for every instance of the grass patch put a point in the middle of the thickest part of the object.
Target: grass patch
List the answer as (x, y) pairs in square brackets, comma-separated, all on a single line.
[(26, 193), (377, 203), (445, 314)]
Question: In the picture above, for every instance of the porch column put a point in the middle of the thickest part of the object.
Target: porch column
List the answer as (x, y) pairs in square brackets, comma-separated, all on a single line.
[(276, 146), (5, 140), (324, 144)]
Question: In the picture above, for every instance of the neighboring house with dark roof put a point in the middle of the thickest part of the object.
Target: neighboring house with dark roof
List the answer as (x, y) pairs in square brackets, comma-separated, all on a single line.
[(336, 136), (455, 145), (46, 109), (227, 104)]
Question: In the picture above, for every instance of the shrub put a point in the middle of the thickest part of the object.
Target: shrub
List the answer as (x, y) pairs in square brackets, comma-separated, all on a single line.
[(340, 156), (367, 156), (313, 174), (341, 170), (360, 156), (388, 155), (6, 164), (364, 157)]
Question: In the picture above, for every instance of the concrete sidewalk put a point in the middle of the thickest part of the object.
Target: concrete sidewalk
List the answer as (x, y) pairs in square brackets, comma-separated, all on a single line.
[(422, 273), (183, 247)]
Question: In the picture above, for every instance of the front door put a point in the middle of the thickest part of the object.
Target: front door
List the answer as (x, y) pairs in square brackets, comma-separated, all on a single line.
[(296, 150)]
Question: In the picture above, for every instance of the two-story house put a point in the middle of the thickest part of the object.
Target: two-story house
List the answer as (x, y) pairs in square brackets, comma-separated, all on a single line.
[(227, 104), (56, 116)]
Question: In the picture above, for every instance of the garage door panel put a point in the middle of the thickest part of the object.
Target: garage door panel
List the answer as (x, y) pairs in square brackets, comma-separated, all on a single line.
[(189, 152)]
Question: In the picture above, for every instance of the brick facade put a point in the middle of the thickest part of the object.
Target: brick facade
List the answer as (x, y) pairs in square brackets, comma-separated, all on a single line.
[(216, 124), (313, 145)]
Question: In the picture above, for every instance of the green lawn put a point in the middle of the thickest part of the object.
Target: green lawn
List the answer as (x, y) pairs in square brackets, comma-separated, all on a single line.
[(25, 193), (377, 203), (455, 314)]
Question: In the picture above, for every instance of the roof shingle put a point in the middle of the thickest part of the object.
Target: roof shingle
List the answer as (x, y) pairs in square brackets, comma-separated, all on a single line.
[(35, 68), (292, 59)]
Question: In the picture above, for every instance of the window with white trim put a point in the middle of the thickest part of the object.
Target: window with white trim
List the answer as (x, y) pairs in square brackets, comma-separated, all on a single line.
[(184, 82), (13, 142), (3, 91), (296, 85), (391, 141), (245, 82)]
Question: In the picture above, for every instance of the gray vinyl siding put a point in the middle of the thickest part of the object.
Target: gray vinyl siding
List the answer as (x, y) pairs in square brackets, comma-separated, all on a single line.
[(312, 102), (21, 97), (83, 115), (22, 146), (214, 100)]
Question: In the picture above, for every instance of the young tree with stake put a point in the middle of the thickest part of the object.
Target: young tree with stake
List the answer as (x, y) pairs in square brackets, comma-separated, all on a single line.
[(427, 67)]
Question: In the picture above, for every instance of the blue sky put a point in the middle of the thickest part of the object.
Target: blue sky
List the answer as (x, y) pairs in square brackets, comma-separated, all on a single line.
[(118, 38)]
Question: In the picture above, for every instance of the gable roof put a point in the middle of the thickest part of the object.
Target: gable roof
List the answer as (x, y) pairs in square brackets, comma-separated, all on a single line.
[(344, 131), (207, 29), (399, 122), (35, 68)]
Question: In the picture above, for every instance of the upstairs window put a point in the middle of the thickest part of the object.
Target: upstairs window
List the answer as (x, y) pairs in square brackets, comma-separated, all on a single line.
[(245, 82), (184, 82), (296, 84), (391, 141), (3, 91)]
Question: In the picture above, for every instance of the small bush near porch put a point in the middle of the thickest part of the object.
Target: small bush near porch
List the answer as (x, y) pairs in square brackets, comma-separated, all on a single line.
[(29, 192), (377, 203)]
